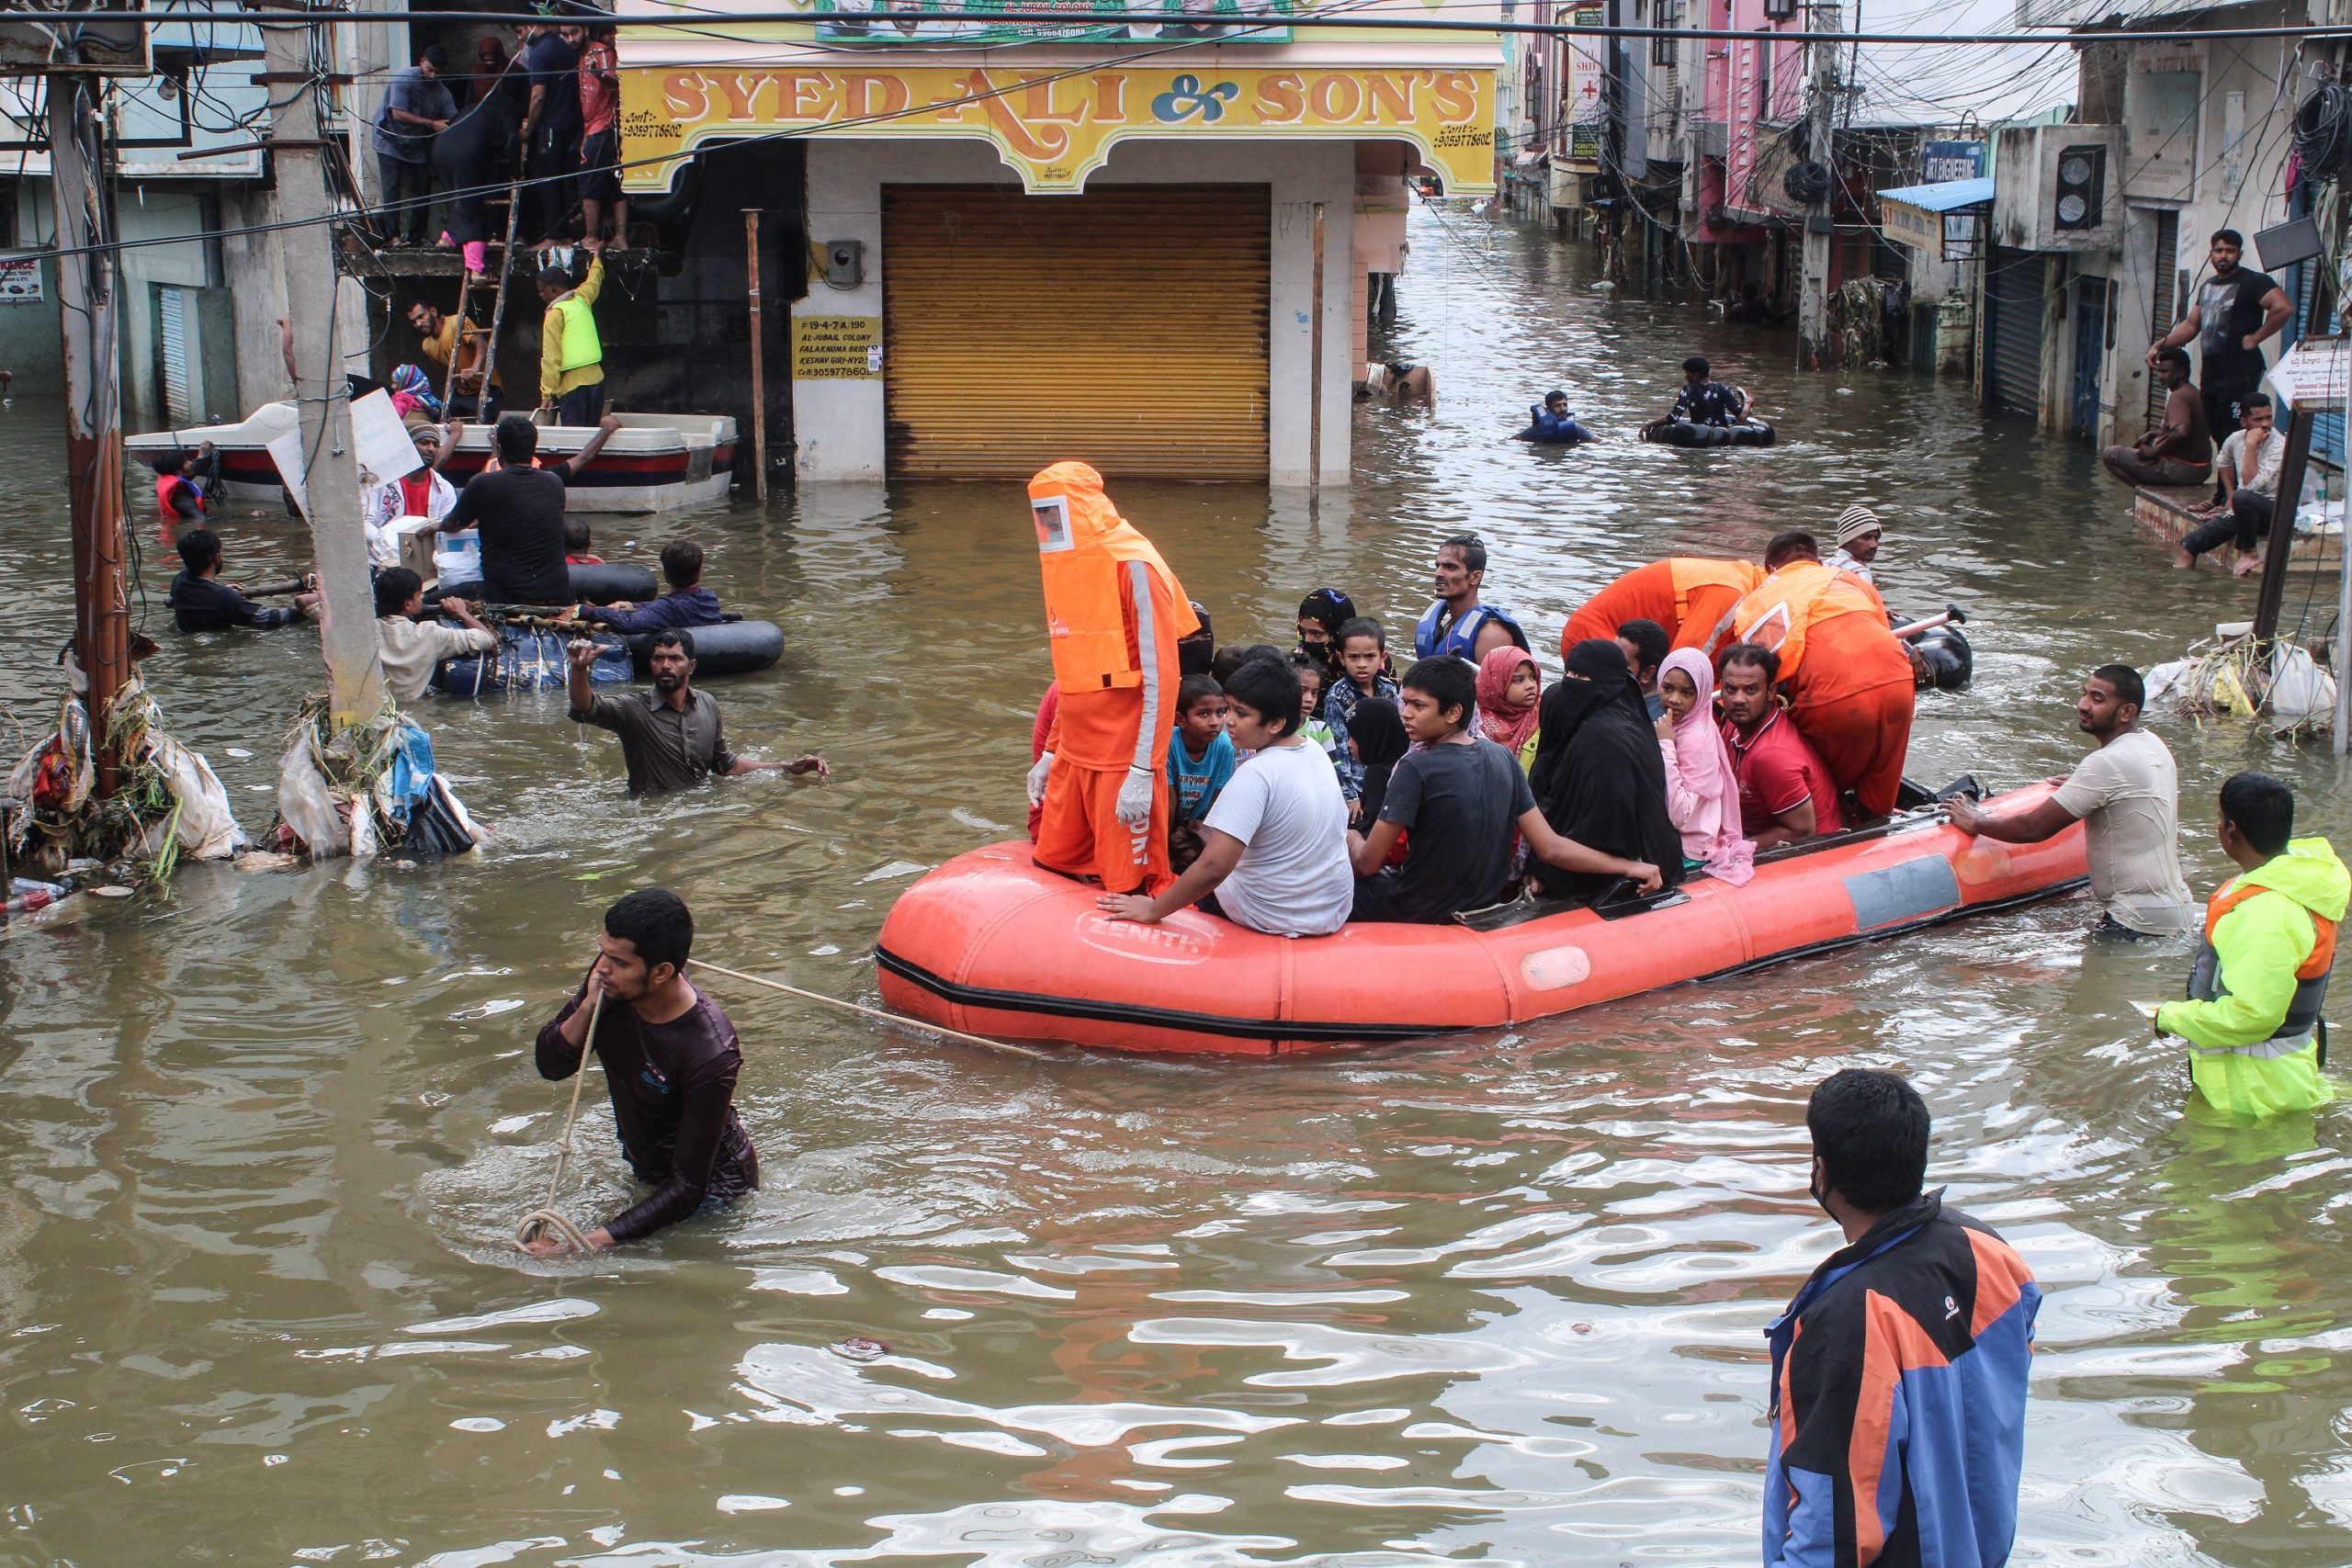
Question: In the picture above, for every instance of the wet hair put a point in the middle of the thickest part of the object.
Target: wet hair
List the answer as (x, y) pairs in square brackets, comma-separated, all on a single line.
[(2254, 401), (1788, 544), (552, 276), (1196, 689), (1650, 642), (575, 533), (516, 438), (2261, 808), (2129, 687), (1268, 688), (672, 636), (170, 463), (1870, 1129), (395, 586), (1696, 366), (1473, 549), (199, 550), (656, 922), (1554, 395), (681, 563), (1448, 682), (2173, 356), (2228, 237), (1751, 655)]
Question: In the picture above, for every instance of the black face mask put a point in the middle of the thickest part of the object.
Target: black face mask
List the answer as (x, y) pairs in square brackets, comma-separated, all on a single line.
[(1814, 1191)]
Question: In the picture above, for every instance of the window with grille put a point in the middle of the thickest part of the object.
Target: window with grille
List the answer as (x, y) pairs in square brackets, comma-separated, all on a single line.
[(1666, 52)]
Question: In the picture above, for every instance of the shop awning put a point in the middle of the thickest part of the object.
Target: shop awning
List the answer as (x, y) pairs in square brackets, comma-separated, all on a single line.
[(1944, 196), (1945, 219)]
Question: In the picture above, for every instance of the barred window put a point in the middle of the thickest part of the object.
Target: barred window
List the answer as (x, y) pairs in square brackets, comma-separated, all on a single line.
[(1664, 50)]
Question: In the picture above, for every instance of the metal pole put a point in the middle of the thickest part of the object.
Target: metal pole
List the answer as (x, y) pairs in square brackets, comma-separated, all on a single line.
[(1814, 351), (1315, 367), (2292, 464), (758, 357), (2282, 540), (90, 331), (300, 52)]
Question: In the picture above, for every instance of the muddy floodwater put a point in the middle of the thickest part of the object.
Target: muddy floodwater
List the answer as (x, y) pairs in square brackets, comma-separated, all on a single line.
[(1494, 1300)]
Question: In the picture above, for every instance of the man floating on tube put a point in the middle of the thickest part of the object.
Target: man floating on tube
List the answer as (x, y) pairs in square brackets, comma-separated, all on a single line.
[(1113, 615)]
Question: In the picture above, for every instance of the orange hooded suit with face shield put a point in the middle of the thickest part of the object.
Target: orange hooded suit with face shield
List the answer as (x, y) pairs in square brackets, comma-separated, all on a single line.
[(1113, 614), (1850, 686)]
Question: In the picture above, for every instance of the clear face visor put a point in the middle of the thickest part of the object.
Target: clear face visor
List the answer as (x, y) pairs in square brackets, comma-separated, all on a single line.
[(1052, 517)]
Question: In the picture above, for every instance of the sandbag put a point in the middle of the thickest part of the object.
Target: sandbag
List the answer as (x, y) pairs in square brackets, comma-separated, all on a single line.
[(1683, 433), (528, 661), (731, 648), (612, 582), (1951, 662)]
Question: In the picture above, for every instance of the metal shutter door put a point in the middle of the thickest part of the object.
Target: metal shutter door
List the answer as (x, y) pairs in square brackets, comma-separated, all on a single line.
[(171, 343), (2164, 300), (2013, 348), (1125, 328)]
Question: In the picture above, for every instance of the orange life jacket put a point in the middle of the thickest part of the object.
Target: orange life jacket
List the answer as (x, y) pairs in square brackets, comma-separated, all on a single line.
[(1780, 611), (165, 485), (1691, 575)]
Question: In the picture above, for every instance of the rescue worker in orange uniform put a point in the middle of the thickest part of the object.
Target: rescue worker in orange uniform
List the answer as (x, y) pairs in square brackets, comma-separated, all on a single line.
[(1690, 596), (1849, 681), (1114, 615)]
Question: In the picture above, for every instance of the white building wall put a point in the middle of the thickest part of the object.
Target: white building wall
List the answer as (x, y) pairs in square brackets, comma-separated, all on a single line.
[(838, 425)]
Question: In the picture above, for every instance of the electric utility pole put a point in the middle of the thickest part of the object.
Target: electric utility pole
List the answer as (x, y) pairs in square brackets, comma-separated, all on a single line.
[(298, 54), (1814, 348)]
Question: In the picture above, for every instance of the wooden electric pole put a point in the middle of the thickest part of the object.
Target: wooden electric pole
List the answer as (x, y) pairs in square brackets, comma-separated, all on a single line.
[(89, 325), (298, 54)]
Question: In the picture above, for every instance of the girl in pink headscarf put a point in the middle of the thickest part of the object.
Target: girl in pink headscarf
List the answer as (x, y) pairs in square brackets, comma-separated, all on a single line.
[(1509, 686), (1702, 790)]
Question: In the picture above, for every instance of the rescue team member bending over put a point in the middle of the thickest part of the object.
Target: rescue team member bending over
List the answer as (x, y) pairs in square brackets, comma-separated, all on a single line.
[(571, 359), (410, 649), (203, 603), (1459, 797), (1704, 401), (1456, 623), (1114, 615), (182, 478), (670, 737), (1785, 791), (1274, 849), (2127, 796), (1551, 423), (688, 603), (2252, 1021), (1859, 534), (1899, 1372), (1692, 596), (518, 507), (2178, 450), (1851, 688), (670, 1061)]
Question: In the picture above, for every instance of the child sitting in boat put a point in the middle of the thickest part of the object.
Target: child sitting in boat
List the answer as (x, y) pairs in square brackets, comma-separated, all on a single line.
[(1200, 760), (1364, 651), (1311, 683), (688, 603)]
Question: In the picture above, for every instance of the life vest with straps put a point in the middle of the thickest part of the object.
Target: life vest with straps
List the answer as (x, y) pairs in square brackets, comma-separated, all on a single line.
[(165, 485), (1461, 638), (581, 346), (1692, 576), (2302, 1025), (1781, 611)]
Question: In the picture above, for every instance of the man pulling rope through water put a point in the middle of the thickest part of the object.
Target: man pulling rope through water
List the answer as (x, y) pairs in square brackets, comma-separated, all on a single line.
[(670, 1061)]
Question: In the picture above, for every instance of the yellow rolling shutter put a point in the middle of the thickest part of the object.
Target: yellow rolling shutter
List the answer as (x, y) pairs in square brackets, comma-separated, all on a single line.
[(1125, 328)]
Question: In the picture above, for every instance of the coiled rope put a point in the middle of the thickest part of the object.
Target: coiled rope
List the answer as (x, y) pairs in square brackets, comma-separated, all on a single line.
[(545, 1219)]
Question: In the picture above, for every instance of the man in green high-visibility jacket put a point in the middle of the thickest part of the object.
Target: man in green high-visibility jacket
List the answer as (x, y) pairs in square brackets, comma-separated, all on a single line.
[(572, 360), (2251, 1020)]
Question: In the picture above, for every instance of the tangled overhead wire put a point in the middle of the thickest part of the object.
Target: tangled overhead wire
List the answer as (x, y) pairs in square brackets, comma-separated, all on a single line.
[(2324, 130)]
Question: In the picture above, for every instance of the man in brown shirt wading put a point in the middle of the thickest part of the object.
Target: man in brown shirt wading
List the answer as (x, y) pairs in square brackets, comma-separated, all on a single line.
[(670, 737), (2180, 450)]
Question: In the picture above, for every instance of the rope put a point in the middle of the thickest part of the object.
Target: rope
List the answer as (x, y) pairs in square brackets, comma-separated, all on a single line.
[(872, 1012), (542, 1220)]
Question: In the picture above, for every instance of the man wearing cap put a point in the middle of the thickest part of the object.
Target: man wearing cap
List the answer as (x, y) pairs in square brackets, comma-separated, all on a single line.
[(1859, 534)]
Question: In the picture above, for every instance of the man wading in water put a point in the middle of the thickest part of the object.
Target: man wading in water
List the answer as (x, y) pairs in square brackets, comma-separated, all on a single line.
[(670, 1065)]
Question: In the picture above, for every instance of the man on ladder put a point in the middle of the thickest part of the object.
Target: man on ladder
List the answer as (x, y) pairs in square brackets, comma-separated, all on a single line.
[(572, 361)]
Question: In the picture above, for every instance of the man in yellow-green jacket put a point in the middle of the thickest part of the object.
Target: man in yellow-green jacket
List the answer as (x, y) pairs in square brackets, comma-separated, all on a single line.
[(2251, 1020), (571, 359)]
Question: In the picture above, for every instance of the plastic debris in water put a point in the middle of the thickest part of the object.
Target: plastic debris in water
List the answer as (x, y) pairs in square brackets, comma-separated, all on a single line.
[(858, 1348)]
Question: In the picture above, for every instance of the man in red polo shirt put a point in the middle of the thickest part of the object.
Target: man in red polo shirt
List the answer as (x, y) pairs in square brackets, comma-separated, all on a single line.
[(1785, 791)]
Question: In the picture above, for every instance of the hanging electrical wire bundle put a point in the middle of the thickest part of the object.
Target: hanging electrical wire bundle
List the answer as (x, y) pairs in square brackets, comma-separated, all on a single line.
[(2324, 130)]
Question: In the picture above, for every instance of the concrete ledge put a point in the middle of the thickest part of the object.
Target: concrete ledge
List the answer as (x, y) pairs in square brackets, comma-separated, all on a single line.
[(2162, 513)]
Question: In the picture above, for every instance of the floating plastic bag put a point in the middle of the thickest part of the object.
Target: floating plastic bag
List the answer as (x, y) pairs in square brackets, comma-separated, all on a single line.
[(208, 828), (306, 800), (2299, 689)]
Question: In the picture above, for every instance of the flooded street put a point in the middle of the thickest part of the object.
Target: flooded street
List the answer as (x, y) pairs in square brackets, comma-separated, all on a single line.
[(1495, 1300)]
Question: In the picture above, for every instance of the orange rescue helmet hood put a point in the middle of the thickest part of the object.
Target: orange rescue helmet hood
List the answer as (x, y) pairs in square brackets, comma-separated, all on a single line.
[(1082, 543)]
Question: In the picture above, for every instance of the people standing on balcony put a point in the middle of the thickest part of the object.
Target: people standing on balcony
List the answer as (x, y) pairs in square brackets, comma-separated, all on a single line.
[(476, 156), (2178, 451), (600, 136), (417, 108), (551, 131), (2235, 311)]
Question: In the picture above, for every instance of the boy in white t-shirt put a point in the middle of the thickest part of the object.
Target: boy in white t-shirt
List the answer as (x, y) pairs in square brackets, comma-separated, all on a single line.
[(1274, 855)]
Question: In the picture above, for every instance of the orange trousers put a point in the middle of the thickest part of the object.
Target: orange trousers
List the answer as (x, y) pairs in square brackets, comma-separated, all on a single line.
[(1080, 833), (1863, 736)]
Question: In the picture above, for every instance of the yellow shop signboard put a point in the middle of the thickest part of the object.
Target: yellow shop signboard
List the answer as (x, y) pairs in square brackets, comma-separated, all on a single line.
[(1057, 127)]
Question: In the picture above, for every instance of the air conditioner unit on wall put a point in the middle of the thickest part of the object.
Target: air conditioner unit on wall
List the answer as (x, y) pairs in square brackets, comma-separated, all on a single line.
[(2053, 188)]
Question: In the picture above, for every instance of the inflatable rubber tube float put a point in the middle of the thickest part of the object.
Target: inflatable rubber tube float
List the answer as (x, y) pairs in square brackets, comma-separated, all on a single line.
[(990, 945), (527, 660), (1951, 662), (1682, 433), (613, 581), (730, 648)]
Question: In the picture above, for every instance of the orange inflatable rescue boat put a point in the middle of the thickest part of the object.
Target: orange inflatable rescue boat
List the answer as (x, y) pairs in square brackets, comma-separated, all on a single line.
[(990, 945)]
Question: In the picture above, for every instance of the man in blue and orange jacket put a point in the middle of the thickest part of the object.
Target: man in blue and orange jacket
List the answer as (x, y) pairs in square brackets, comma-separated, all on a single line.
[(1899, 1372)]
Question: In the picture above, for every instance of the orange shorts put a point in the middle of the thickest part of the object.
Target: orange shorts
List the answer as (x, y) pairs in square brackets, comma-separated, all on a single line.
[(1080, 833)]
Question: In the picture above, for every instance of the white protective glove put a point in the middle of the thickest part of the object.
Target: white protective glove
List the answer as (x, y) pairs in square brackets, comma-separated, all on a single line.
[(1044, 765), (1134, 804)]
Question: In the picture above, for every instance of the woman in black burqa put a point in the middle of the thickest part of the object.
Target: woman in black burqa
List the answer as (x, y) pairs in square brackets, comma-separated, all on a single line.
[(1598, 776)]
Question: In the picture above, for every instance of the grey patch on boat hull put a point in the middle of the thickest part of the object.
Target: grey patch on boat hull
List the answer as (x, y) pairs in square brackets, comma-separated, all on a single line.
[(1909, 891)]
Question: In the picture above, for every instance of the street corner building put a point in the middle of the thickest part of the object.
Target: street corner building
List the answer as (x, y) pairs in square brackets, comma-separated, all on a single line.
[(1146, 246)]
